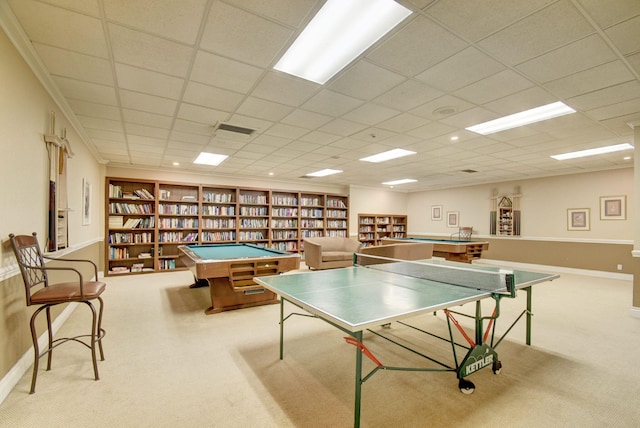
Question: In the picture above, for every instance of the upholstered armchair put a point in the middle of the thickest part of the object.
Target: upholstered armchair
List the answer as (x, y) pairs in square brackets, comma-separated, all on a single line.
[(329, 252)]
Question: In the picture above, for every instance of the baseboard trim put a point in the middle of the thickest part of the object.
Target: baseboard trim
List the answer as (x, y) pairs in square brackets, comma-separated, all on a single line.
[(559, 269), (13, 376)]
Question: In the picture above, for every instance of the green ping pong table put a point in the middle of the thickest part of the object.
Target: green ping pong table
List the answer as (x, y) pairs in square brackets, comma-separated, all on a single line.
[(377, 293)]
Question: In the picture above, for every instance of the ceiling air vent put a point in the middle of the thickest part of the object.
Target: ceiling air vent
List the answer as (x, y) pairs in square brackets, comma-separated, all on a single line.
[(233, 132), (470, 171)]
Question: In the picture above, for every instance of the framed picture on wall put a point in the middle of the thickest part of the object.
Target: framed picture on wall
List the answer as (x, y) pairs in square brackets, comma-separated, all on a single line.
[(613, 207), (436, 212), (452, 218), (578, 219), (86, 202)]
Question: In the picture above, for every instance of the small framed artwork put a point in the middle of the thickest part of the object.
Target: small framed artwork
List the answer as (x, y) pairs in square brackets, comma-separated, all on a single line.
[(86, 202), (452, 218), (613, 207), (436, 212), (578, 219)]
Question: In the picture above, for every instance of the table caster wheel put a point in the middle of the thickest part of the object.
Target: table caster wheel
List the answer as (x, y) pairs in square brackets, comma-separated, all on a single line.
[(465, 386), (497, 367)]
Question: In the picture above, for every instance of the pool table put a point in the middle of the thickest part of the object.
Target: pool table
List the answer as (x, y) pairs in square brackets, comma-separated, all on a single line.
[(229, 270), (457, 251)]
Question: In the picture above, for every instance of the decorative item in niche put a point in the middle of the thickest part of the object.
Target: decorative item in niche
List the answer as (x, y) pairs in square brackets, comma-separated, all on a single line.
[(436, 212), (453, 218), (86, 202), (613, 207), (578, 219)]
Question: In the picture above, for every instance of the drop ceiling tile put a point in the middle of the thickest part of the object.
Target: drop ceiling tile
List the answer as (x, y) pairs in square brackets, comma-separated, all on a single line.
[(568, 59), (609, 13), (625, 35), (74, 65), (608, 96), (547, 29), (148, 119), (520, 101), (193, 127), (407, 52), (271, 141), (493, 87), (146, 131), (201, 114), (171, 19), (149, 52), (106, 135), (286, 131), (365, 81), (64, 28), (85, 91), (261, 109), (602, 76), (408, 95), (462, 15), (103, 124), (442, 107), (212, 97), (258, 125), (285, 11), (402, 123), (331, 103), (469, 117), (186, 146), (240, 35), (223, 72), (432, 130), (148, 82), (454, 72), (285, 89), (370, 114), (320, 137), (148, 103), (306, 119), (86, 108), (342, 127), (137, 141), (189, 138)]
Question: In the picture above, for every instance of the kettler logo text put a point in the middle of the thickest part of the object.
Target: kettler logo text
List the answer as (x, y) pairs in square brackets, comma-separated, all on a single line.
[(478, 364)]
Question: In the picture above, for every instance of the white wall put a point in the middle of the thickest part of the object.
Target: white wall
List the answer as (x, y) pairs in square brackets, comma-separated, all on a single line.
[(366, 200), (544, 205)]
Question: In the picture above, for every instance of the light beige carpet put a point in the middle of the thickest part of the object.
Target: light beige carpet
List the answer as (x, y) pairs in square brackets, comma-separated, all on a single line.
[(170, 365)]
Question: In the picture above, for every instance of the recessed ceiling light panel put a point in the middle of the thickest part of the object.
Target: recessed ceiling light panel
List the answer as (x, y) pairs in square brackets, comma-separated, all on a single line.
[(340, 31), (526, 117), (396, 182), (323, 172), (213, 159), (593, 152), (388, 155)]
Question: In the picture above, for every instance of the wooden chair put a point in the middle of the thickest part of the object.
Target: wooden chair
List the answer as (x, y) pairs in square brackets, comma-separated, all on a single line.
[(40, 292), (463, 233)]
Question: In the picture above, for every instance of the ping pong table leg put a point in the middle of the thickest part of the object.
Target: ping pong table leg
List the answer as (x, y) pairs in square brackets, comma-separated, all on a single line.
[(358, 395), (529, 314), (281, 328)]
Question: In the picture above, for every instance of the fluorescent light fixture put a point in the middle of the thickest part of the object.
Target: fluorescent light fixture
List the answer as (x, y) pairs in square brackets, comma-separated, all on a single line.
[(323, 172), (403, 181), (388, 155), (526, 117), (592, 152), (340, 31), (213, 159)]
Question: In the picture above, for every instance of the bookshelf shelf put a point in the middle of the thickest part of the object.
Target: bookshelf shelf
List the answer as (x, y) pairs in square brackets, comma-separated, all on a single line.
[(165, 215), (372, 228)]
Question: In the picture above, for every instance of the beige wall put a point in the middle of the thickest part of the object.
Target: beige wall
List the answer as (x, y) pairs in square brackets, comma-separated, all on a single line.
[(25, 106)]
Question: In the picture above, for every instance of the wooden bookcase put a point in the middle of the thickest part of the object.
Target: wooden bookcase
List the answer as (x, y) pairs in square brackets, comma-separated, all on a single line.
[(374, 227), (147, 220)]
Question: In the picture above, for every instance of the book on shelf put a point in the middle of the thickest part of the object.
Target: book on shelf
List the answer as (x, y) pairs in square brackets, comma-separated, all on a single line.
[(144, 255), (137, 267), (189, 198), (116, 221), (132, 223), (119, 269)]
